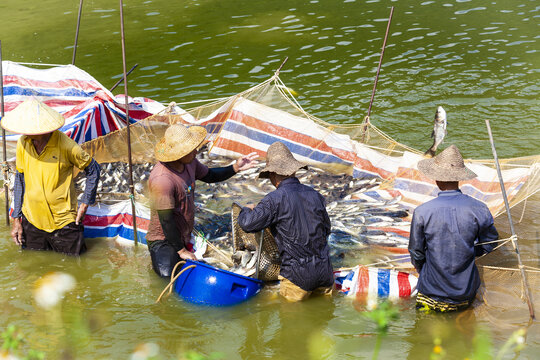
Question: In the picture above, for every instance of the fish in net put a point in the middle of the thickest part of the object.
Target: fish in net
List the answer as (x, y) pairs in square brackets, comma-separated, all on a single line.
[(270, 263)]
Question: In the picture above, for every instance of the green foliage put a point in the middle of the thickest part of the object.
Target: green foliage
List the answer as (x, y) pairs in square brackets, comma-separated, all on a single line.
[(483, 346), (14, 340), (193, 355), (516, 341), (383, 314)]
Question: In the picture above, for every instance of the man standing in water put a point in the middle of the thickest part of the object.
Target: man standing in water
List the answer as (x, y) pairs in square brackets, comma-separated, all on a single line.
[(297, 217), (446, 235), (172, 190), (45, 204)]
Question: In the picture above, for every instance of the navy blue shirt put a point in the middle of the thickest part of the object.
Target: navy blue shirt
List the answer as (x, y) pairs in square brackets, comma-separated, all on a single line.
[(444, 232), (297, 217)]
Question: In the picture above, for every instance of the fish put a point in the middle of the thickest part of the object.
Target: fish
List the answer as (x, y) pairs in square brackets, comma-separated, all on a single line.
[(439, 131)]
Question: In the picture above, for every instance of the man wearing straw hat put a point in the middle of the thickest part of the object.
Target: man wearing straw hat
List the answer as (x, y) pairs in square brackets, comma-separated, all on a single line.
[(45, 204), (446, 235), (297, 217), (172, 189)]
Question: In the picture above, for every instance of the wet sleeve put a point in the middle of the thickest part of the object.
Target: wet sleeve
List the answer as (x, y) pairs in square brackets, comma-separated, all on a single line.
[(261, 217), (417, 242), (219, 174), (327, 223), (19, 156), (200, 170), (486, 233), (170, 230), (162, 192), (18, 195), (92, 172), (77, 156)]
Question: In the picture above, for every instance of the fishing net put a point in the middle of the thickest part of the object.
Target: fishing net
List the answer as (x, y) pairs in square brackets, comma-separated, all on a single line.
[(252, 120), (269, 263)]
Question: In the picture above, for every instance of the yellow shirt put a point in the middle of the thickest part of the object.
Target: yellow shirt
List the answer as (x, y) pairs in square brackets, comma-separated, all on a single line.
[(50, 202)]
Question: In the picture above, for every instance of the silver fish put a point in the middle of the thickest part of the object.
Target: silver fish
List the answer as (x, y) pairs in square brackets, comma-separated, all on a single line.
[(439, 131)]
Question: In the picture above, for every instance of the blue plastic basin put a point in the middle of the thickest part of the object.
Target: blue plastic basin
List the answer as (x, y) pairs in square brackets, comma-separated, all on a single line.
[(205, 284)]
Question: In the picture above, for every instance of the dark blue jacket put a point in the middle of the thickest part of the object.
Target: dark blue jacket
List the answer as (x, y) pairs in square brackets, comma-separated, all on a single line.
[(297, 217), (444, 232)]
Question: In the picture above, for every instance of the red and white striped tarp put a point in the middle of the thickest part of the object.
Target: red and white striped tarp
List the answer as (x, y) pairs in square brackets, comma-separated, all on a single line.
[(116, 221), (89, 108), (253, 127), (373, 282)]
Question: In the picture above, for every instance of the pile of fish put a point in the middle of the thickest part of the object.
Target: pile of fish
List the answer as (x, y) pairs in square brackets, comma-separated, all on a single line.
[(360, 221)]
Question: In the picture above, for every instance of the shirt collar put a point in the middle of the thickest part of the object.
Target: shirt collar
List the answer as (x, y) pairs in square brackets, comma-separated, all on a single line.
[(449, 192), (290, 180)]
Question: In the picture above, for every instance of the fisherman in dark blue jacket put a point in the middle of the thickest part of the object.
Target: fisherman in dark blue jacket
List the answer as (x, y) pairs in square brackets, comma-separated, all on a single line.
[(297, 217), (446, 235)]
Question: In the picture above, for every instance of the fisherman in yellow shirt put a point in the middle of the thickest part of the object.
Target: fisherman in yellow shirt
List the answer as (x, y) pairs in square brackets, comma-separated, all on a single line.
[(45, 204)]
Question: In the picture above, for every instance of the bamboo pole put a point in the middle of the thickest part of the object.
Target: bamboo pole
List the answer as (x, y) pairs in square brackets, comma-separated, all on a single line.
[(513, 238), (120, 81), (366, 121), (280, 66), (4, 150), (130, 175), (77, 33), (259, 251)]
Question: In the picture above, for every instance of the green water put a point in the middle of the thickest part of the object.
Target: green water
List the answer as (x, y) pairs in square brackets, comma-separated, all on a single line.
[(477, 59)]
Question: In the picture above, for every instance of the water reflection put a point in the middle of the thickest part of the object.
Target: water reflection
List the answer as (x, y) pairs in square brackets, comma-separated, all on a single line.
[(454, 333)]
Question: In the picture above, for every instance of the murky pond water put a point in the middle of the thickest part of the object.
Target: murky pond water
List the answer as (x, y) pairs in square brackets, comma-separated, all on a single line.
[(477, 59)]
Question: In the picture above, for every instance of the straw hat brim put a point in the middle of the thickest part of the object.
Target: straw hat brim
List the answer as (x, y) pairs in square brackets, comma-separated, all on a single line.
[(167, 151), (33, 117), (436, 172), (281, 169)]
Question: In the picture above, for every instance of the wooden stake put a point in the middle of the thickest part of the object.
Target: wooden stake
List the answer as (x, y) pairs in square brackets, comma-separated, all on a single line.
[(77, 33), (130, 175), (366, 121), (120, 81), (4, 150), (514, 242)]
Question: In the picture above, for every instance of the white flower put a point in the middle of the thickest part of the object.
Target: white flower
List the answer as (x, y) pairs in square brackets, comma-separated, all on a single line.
[(50, 289), (145, 351), (5, 355)]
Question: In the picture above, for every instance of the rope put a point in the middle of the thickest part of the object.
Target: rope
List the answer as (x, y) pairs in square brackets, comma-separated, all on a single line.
[(40, 64), (377, 263), (173, 279), (513, 237), (534, 270), (5, 173)]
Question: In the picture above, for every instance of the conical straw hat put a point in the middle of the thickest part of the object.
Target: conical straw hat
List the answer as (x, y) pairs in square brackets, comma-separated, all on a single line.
[(179, 141), (32, 117), (447, 166), (280, 160)]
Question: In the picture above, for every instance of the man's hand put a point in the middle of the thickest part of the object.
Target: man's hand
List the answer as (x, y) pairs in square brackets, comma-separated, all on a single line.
[(80, 213), (17, 231), (250, 206), (185, 254), (245, 162)]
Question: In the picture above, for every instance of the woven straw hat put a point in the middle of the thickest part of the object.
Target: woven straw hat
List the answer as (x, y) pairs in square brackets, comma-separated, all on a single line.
[(447, 166), (32, 117), (280, 160), (178, 142)]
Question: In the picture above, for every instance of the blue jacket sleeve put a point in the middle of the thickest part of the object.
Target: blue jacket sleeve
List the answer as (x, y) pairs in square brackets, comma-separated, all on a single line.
[(18, 195), (486, 233), (92, 173), (417, 242), (261, 217)]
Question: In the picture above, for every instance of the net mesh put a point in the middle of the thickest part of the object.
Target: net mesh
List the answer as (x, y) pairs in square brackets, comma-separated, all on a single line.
[(239, 124), (269, 265), (251, 120)]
